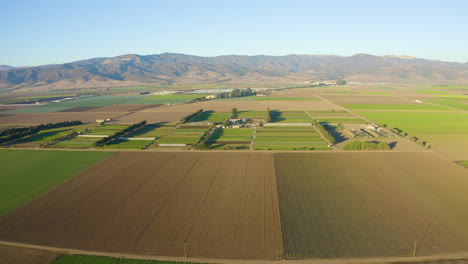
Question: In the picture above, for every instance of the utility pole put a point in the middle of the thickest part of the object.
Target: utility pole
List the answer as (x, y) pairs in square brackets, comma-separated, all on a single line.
[(414, 249), (185, 251)]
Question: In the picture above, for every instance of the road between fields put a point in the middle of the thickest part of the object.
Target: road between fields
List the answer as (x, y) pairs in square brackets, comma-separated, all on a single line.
[(404, 259)]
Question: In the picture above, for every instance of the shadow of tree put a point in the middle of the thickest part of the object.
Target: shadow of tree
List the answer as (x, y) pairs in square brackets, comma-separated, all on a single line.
[(276, 116)]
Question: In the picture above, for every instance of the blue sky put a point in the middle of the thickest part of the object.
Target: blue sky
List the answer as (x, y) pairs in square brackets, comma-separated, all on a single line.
[(36, 32)]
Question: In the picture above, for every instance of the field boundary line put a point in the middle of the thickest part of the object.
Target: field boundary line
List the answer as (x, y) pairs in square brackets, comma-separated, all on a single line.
[(374, 260)]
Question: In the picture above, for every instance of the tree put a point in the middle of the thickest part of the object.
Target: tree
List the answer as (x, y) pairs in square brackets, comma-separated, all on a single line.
[(341, 82), (234, 112)]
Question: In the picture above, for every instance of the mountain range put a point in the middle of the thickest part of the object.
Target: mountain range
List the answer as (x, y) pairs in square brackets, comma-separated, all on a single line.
[(171, 68)]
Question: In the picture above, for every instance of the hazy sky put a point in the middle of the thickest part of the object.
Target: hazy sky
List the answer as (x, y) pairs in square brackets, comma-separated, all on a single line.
[(36, 32)]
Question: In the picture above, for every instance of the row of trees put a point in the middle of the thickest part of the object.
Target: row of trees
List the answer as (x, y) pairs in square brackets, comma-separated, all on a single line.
[(237, 93), (325, 132), (117, 135), (401, 133), (12, 134), (187, 118), (363, 145), (269, 115)]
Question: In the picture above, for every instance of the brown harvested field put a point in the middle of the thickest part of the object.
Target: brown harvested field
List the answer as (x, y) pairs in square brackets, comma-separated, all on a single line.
[(217, 205), (8, 108), (226, 106), (43, 118), (151, 117), (298, 92), (347, 205), (14, 255), (124, 108)]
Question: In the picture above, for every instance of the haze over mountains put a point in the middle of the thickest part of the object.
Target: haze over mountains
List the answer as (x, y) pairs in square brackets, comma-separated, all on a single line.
[(171, 68)]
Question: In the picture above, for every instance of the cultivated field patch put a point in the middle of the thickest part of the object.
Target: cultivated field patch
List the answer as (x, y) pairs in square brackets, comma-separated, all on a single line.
[(199, 204), (26, 174), (288, 138), (185, 134), (229, 138), (210, 116), (347, 205), (82, 259), (394, 107), (290, 117), (14, 255)]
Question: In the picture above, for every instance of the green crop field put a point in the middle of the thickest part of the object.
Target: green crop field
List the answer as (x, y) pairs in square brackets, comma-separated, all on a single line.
[(37, 109), (82, 259), (464, 163), (48, 135), (153, 131), (290, 117), (252, 114), (342, 120), (288, 138), (128, 144), (459, 103), (422, 123), (353, 205), (268, 98), (432, 92), (238, 137), (104, 100), (172, 99), (210, 116), (76, 143), (330, 113), (185, 134), (106, 130), (394, 107), (26, 174)]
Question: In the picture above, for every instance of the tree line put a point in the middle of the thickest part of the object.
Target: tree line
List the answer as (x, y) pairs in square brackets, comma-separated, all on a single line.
[(325, 132), (12, 134), (187, 118), (237, 93), (118, 134), (362, 145)]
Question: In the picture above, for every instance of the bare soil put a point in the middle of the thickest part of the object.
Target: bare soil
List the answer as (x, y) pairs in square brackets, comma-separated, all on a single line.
[(167, 204), (15, 255)]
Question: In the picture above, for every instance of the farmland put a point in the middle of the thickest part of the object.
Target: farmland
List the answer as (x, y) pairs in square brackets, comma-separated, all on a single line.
[(288, 138), (13, 255), (210, 116), (209, 204), (394, 107), (185, 134), (81, 259), (290, 117), (370, 205), (48, 135), (129, 144), (270, 98), (22, 181), (231, 137)]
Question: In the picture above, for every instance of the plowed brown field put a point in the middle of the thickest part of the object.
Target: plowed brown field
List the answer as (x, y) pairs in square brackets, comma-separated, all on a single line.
[(13, 255), (198, 204)]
